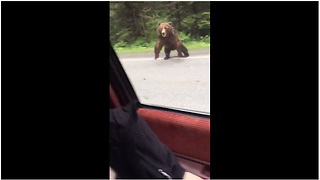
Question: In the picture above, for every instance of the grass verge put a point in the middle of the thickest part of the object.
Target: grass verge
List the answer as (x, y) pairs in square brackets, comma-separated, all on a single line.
[(193, 45)]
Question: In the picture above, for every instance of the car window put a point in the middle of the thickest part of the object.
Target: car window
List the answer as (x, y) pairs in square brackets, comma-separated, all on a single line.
[(176, 75)]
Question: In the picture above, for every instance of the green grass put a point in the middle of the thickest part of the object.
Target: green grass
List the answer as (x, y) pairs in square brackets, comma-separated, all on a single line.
[(193, 45)]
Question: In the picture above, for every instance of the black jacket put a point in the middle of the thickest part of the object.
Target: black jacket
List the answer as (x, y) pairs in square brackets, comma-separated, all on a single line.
[(135, 151)]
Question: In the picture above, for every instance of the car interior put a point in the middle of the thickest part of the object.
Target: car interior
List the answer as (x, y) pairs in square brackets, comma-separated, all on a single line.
[(187, 134)]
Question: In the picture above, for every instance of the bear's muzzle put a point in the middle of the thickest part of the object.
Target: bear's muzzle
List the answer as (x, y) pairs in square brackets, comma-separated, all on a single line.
[(163, 33)]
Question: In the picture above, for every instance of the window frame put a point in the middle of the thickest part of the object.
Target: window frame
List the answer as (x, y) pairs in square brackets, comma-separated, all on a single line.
[(124, 91)]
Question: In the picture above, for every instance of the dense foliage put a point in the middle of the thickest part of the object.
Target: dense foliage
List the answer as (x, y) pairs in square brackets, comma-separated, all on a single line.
[(135, 23)]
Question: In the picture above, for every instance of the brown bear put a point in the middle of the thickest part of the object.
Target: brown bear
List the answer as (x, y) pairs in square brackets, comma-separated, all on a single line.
[(168, 38)]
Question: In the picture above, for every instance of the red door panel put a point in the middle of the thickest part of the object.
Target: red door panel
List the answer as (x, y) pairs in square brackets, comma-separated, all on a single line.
[(114, 102), (187, 136)]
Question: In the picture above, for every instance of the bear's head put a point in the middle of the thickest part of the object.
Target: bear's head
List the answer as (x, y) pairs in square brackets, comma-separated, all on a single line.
[(165, 29)]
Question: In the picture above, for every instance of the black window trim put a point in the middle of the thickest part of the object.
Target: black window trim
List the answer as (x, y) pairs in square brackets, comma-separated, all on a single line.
[(120, 81), (177, 110)]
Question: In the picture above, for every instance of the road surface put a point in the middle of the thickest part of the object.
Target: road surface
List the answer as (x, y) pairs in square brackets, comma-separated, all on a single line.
[(177, 82)]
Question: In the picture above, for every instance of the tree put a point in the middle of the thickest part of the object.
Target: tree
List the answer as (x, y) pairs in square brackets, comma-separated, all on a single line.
[(136, 22)]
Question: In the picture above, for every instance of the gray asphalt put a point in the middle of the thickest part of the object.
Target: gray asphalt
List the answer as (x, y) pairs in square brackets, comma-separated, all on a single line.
[(177, 82)]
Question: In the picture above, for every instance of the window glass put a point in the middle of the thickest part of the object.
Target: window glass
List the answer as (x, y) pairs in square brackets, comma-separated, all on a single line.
[(139, 29)]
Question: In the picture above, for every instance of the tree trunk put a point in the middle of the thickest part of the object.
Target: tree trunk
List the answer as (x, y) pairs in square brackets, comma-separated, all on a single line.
[(129, 6), (146, 38), (178, 25)]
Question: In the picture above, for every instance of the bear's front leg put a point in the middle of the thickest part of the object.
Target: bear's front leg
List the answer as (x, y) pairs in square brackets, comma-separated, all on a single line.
[(156, 55), (157, 49), (167, 52)]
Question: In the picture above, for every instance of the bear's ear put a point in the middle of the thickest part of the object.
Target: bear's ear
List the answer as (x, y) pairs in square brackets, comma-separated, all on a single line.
[(174, 31), (170, 23), (159, 23)]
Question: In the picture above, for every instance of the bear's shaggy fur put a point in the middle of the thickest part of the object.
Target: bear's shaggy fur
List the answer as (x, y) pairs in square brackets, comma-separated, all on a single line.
[(168, 38)]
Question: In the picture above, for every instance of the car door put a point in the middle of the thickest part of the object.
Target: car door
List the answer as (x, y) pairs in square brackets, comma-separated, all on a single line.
[(185, 132)]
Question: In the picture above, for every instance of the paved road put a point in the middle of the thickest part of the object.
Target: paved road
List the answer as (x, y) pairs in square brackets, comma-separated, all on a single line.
[(177, 82)]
